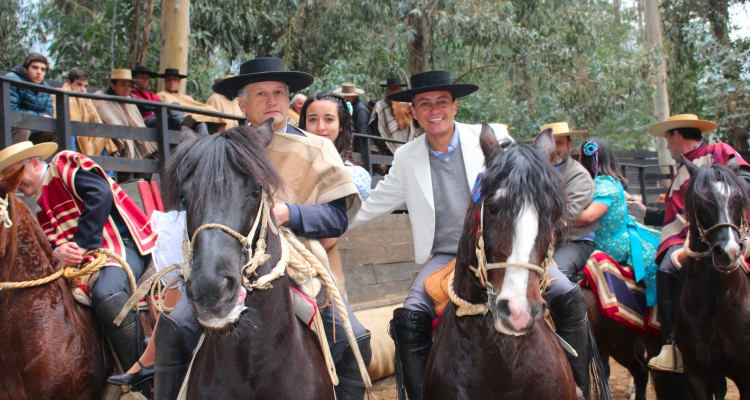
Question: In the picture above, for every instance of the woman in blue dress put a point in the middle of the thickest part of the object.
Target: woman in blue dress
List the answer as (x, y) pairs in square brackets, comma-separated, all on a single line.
[(326, 114), (623, 239)]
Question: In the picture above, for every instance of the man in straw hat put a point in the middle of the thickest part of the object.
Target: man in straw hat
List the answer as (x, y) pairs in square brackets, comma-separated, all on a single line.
[(226, 105), (318, 201), (392, 119), (684, 135), (433, 175), (82, 209), (566, 302), (361, 117)]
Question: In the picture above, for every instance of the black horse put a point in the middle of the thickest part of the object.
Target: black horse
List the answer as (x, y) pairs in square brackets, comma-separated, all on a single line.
[(263, 351)]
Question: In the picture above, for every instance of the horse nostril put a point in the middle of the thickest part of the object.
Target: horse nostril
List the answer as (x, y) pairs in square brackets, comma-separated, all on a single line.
[(503, 307), (718, 252)]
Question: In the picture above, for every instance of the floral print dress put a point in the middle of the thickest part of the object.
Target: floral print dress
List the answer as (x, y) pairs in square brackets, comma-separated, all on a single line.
[(622, 238)]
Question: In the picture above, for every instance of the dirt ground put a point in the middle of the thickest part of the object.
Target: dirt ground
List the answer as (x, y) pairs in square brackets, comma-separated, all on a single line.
[(619, 381)]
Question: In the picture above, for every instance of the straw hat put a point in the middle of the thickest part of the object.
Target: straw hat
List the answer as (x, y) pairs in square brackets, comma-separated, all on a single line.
[(433, 81), (349, 89), (223, 77), (561, 129), (120, 75), (25, 150), (263, 69), (660, 129)]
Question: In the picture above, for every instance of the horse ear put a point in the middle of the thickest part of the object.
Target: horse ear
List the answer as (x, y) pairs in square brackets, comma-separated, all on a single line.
[(689, 165), (546, 143), (265, 132), (733, 164), (188, 134), (9, 183), (487, 140)]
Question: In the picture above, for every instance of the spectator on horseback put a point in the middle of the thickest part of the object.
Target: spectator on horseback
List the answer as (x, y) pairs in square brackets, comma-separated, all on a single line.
[(434, 175), (325, 114), (684, 135), (82, 209), (623, 239), (29, 101), (262, 89)]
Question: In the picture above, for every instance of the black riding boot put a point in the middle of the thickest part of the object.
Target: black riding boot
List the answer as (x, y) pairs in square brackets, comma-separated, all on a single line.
[(351, 386), (666, 291), (412, 333), (172, 359), (569, 315), (127, 339)]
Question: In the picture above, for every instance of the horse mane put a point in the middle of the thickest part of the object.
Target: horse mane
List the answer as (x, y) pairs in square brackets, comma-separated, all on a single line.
[(701, 193), (217, 163), (526, 177)]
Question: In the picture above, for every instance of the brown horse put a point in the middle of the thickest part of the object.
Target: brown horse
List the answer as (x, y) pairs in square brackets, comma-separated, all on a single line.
[(50, 346), (510, 352), (713, 304)]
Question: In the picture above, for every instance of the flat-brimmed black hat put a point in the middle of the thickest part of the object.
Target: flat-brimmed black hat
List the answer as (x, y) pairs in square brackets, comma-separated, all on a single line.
[(433, 81), (263, 69), (172, 72), (393, 82), (141, 69)]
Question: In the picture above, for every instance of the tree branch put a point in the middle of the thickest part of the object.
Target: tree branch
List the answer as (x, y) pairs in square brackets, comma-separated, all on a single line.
[(471, 70)]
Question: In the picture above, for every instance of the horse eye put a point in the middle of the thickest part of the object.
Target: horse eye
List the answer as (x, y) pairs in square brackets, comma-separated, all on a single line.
[(493, 208), (257, 191)]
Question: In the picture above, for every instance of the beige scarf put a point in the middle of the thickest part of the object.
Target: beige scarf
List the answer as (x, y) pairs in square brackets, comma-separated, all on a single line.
[(222, 104), (125, 115)]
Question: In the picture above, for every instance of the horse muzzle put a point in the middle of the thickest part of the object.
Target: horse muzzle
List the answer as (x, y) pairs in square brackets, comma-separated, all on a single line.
[(513, 317), (217, 307)]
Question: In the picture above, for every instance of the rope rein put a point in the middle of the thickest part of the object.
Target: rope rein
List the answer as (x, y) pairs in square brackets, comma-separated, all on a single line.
[(4, 217), (480, 271)]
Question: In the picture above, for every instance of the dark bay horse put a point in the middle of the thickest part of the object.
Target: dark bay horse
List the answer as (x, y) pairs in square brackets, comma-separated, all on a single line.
[(257, 349), (713, 304), (50, 346), (508, 352)]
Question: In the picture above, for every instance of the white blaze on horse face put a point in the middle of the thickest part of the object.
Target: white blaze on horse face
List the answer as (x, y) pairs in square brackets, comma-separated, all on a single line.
[(732, 248), (517, 279)]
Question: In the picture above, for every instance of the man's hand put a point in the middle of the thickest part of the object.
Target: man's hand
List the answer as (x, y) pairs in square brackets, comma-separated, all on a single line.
[(71, 253), (281, 213), (636, 209)]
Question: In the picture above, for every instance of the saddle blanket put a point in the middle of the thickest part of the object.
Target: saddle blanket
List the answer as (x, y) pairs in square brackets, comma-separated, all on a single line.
[(618, 295)]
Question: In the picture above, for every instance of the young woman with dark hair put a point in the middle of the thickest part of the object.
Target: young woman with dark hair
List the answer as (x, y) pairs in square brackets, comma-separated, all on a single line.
[(619, 236), (327, 115)]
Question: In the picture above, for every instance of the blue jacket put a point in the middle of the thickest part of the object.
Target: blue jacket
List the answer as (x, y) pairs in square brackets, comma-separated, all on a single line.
[(26, 100)]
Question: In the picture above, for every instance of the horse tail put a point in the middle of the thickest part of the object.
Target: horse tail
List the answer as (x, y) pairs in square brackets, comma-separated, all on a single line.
[(597, 372)]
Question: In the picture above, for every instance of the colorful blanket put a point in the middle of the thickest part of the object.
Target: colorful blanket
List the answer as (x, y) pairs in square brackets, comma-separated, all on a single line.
[(618, 295)]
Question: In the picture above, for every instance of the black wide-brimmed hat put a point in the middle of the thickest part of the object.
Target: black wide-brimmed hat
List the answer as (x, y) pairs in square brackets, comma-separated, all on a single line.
[(433, 81), (172, 72), (393, 82), (141, 69), (263, 69)]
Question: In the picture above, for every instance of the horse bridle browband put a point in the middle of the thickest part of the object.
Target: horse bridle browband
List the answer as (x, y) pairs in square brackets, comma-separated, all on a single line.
[(480, 271), (742, 232), (4, 217)]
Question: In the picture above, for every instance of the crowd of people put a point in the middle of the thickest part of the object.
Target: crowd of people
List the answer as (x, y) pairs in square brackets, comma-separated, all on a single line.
[(433, 175)]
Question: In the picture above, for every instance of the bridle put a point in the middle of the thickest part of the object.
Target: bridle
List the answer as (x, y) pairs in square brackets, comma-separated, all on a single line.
[(482, 268), (4, 216), (254, 259), (743, 232)]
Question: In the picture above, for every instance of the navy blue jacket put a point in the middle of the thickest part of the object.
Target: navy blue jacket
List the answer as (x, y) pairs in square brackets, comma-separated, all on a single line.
[(26, 100), (317, 220)]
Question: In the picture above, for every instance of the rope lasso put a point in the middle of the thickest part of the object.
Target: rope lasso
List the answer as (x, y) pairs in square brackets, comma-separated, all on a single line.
[(4, 217)]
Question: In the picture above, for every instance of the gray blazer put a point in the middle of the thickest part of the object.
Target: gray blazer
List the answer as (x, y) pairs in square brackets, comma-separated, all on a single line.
[(580, 190)]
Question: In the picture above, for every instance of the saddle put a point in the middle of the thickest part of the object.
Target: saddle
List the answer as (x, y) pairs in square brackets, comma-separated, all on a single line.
[(436, 286)]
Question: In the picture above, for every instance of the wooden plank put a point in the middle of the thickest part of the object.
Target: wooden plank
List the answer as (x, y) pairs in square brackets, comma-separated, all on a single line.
[(33, 122), (385, 240), (6, 123), (126, 164)]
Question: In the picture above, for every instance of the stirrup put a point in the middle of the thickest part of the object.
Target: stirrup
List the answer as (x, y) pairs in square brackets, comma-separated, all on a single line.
[(668, 360)]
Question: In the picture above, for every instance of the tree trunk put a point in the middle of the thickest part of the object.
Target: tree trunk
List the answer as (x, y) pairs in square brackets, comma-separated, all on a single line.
[(417, 50), (133, 51), (143, 58), (175, 28), (661, 97)]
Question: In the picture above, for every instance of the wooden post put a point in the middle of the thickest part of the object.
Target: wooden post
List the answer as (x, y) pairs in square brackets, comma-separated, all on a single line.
[(5, 114), (162, 137), (175, 28), (64, 129), (661, 96)]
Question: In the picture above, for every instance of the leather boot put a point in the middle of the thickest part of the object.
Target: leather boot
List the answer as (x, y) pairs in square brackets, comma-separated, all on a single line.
[(669, 359), (351, 386), (412, 334), (172, 359), (127, 339), (569, 315)]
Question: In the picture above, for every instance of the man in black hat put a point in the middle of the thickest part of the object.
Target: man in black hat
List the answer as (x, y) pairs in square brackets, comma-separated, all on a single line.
[(141, 79), (171, 94), (435, 172), (262, 89), (392, 119)]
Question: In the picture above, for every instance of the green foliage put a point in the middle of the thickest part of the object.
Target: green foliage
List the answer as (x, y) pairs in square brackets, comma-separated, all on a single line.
[(17, 32)]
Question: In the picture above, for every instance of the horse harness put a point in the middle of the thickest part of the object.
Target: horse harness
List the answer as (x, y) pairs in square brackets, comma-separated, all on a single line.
[(480, 271), (743, 231)]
